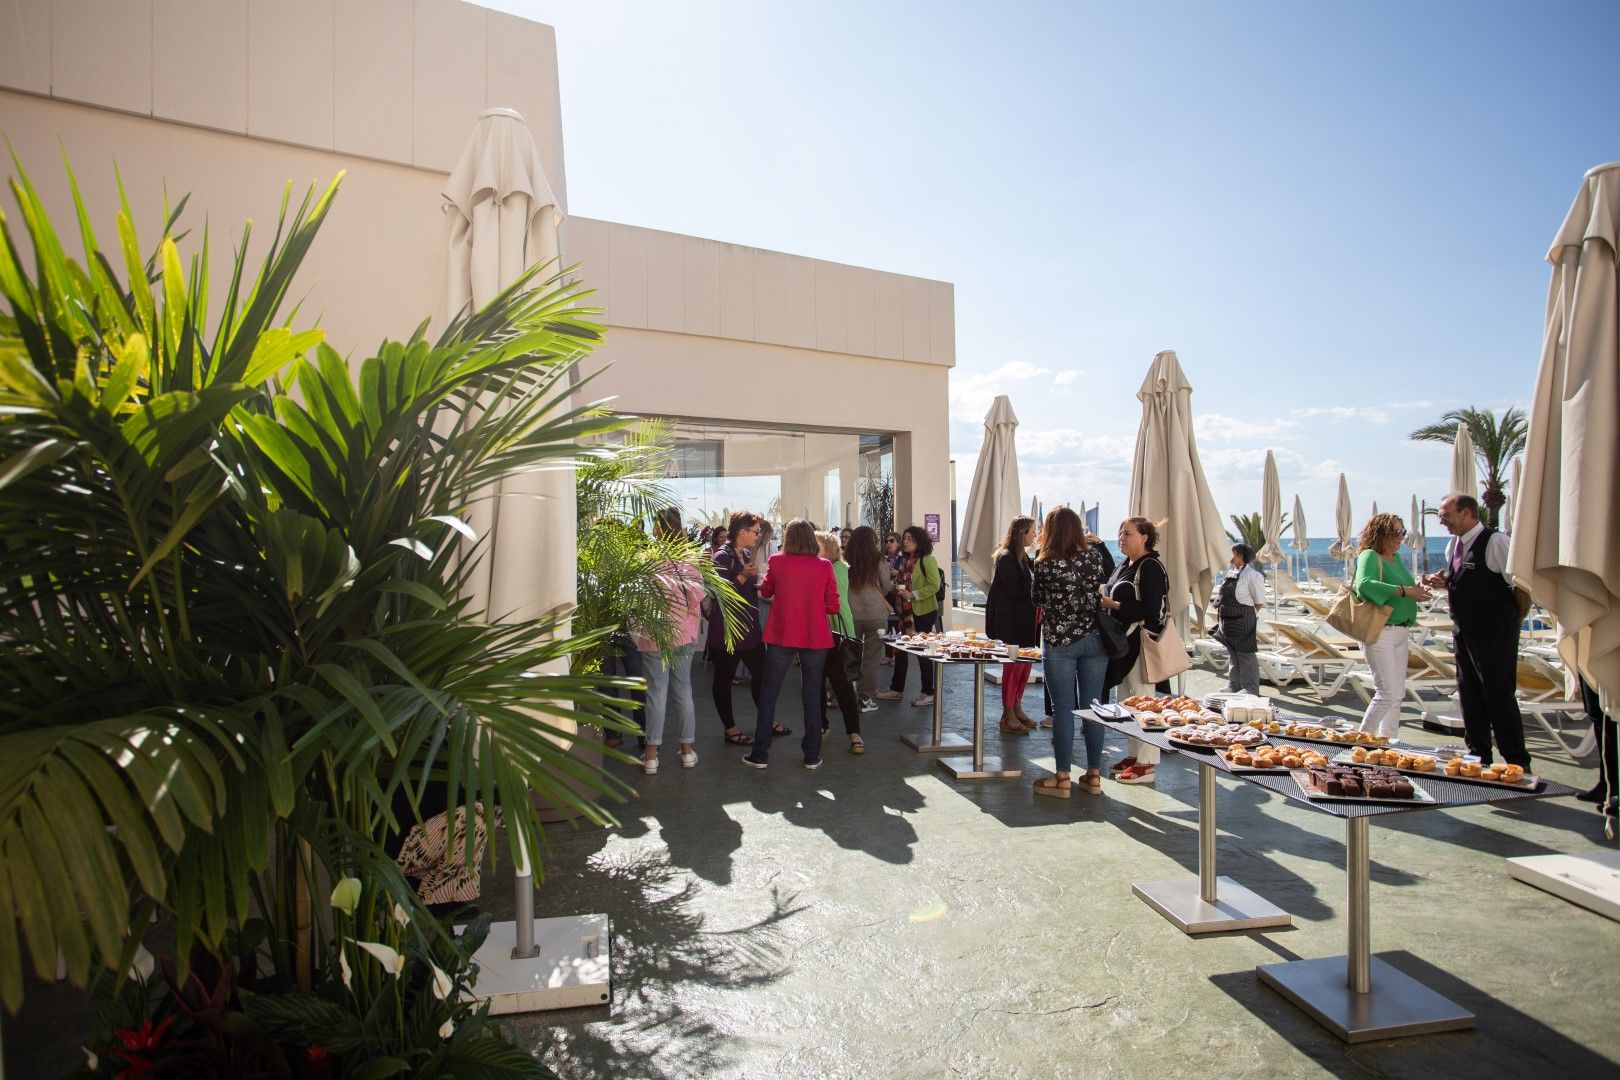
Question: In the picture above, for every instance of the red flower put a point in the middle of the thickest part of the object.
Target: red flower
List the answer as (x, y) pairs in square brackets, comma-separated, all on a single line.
[(146, 1037), (317, 1054)]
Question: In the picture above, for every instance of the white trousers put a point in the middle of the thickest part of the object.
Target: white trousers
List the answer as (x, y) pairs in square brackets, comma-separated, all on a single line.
[(1387, 658)]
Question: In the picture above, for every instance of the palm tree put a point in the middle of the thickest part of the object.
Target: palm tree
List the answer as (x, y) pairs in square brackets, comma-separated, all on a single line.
[(1496, 444), (1251, 530), (236, 654)]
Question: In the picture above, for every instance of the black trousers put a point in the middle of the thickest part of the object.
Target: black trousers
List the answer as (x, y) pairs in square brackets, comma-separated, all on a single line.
[(837, 678), (1605, 730), (922, 624), (725, 668), (1487, 676)]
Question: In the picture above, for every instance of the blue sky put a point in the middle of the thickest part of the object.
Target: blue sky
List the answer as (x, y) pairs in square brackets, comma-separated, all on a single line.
[(1337, 216)]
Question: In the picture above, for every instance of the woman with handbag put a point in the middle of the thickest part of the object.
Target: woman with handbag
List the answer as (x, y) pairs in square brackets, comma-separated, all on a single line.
[(1243, 594), (842, 625), (1136, 598), (1069, 574), (918, 583), (735, 563), (803, 592), (1009, 616), (1382, 579), (870, 583)]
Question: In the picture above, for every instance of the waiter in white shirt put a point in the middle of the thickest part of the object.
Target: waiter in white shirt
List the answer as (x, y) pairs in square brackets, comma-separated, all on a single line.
[(1485, 616)]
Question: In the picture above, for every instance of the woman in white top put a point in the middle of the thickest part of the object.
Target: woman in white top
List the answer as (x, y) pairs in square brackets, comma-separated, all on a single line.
[(1243, 594)]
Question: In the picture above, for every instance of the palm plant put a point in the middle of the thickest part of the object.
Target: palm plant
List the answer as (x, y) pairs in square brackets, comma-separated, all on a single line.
[(624, 568), (1496, 444), (1251, 530), (231, 565)]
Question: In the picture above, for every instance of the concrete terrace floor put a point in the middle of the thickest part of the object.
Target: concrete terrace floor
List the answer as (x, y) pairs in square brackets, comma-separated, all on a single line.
[(877, 919)]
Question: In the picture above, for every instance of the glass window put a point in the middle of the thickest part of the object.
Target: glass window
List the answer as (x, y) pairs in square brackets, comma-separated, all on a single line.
[(832, 478)]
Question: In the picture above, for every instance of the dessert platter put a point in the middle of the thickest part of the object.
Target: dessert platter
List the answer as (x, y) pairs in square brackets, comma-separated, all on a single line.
[(1360, 783), (1215, 735), (1458, 767), (1163, 713), (954, 645), (1272, 758), (1318, 731)]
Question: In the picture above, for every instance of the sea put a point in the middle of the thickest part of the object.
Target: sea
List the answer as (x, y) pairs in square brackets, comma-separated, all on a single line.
[(1298, 563)]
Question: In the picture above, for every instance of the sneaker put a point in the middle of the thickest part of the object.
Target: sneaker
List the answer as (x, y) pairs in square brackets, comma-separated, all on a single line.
[(748, 759), (923, 699), (869, 705), (649, 765), (688, 759), (890, 695), (1137, 774), (813, 765), (1122, 764)]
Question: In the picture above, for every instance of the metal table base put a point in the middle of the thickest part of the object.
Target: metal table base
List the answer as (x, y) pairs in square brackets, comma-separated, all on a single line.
[(1211, 903), (1355, 996), (936, 741), (976, 767)]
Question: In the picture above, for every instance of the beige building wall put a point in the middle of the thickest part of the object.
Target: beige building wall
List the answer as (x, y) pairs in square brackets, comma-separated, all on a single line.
[(229, 100), (706, 330)]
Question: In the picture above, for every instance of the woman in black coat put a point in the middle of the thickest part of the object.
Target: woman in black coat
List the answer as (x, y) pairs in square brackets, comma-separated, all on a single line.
[(1136, 598), (1009, 615)]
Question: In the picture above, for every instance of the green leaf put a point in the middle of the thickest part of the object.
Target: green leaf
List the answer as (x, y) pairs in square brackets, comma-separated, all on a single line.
[(379, 1068)]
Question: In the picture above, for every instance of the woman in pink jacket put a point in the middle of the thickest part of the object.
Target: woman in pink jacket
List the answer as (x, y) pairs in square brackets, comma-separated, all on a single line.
[(803, 591)]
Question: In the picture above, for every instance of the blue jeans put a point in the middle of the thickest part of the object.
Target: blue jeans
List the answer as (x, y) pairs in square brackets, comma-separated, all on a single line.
[(1080, 665), (812, 665), (669, 688)]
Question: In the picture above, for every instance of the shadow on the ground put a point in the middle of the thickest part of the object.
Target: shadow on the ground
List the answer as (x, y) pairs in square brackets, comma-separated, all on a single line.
[(1505, 1043), (665, 963)]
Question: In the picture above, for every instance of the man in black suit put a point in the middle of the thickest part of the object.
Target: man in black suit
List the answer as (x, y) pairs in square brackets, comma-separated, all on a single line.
[(1485, 616)]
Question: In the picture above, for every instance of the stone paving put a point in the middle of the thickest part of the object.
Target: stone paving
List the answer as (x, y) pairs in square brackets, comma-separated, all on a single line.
[(877, 919)]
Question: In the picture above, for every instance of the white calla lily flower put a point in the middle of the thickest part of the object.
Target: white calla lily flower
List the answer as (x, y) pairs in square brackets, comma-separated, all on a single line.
[(392, 961), (441, 983), (446, 1029), (343, 966), (401, 916), (346, 895)]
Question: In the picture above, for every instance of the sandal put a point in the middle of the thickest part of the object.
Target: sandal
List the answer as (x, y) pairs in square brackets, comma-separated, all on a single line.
[(1090, 782), (1014, 729), (856, 746), (737, 738), (1056, 786), (781, 729)]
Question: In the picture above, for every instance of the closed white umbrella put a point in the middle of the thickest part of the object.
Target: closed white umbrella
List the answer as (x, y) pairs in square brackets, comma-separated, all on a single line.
[(1302, 542), (1566, 523), (501, 218), (1345, 547), (1513, 493), (994, 499), (1271, 552), (1464, 477), (1167, 482), (1414, 534)]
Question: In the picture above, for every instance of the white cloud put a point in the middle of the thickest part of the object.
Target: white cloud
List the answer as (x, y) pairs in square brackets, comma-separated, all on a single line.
[(971, 395), (1372, 414), (1064, 378), (1214, 427)]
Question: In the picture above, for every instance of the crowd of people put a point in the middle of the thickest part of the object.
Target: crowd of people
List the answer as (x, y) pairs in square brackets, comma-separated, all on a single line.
[(826, 602)]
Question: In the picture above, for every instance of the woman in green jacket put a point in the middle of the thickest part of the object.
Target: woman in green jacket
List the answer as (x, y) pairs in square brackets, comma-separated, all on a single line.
[(1381, 578), (836, 673), (917, 583)]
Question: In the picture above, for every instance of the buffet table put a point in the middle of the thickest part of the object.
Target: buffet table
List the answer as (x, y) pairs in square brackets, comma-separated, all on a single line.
[(1356, 996), (974, 766)]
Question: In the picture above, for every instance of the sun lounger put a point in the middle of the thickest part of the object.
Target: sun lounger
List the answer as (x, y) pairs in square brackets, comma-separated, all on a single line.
[(1324, 666)]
